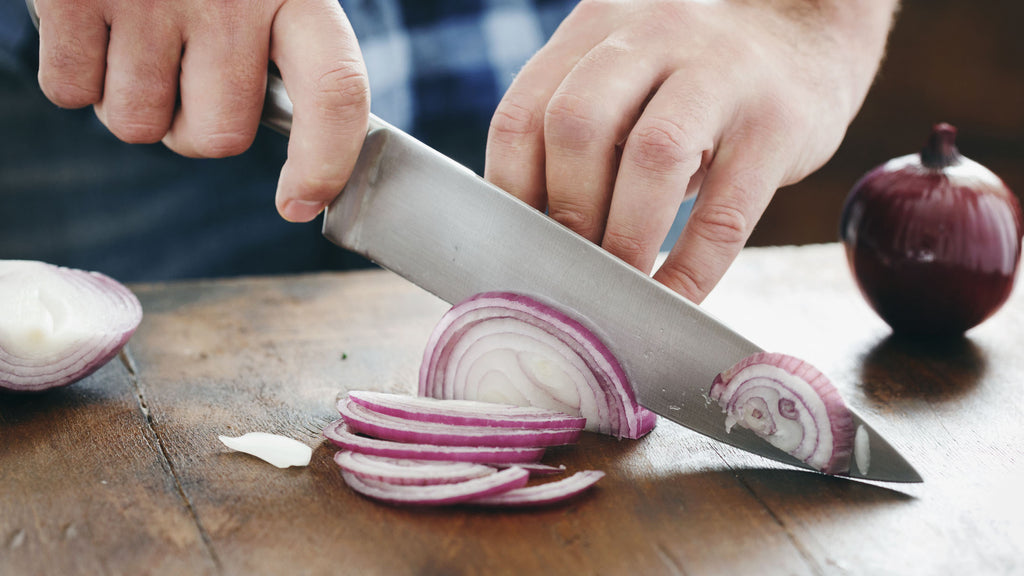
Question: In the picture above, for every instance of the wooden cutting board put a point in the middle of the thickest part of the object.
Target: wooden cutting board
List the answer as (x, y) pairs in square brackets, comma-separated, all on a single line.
[(122, 473)]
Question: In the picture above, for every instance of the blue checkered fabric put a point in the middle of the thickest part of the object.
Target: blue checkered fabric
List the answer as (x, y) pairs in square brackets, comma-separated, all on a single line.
[(437, 69), (72, 194)]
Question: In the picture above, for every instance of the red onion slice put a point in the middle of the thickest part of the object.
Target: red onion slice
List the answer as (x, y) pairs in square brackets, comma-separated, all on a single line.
[(790, 404), (365, 421), (510, 349), (464, 412), (542, 494), (406, 471), (438, 494), (339, 433), (58, 325)]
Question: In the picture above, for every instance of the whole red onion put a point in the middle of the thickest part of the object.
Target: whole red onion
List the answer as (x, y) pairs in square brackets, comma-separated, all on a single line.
[(933, 239)]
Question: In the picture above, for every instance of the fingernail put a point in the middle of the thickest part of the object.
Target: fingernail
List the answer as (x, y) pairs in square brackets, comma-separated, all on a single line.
[(300, 210)]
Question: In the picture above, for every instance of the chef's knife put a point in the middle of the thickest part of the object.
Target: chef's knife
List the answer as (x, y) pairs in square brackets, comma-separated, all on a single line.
[(434, 222)]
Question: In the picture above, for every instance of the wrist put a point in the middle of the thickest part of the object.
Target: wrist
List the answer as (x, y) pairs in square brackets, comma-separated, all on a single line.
[(848, 38)]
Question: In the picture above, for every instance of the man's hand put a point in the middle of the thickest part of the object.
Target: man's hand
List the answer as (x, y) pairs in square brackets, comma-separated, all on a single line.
[(192, 74), (636, 104)]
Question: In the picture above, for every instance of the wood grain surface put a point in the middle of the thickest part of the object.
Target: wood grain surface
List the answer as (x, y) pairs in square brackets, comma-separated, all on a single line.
[(122, 473)]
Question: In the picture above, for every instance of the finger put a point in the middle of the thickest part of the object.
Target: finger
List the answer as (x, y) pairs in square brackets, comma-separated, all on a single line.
[(72, 53), (587, 118), (661, 159), (314, 46), (739, 185), (223, 81), (515, 142), (141, 83)]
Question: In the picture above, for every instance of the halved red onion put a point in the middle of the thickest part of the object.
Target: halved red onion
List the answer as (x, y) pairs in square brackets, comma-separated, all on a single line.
[(438, 494), (339, 433), (464, 412), (792, 405), (58, 325), (542, 494), (365, 421), (510, 349), (407, 471)]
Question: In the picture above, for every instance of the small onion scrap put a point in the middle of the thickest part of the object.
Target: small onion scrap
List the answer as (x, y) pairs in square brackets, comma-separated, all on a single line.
[(511, 349), (792, 405), (58, 325), (429, 452)]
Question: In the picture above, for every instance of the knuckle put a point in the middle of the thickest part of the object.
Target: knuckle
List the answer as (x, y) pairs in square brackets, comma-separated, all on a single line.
[(223, 143), (62, 76), (344, 90), (720, 225), (69, 92), (659, 146), (135, 130), (685, 279), (571, 122), (576, 218), (626, 244), (515, 118), (139, 111)]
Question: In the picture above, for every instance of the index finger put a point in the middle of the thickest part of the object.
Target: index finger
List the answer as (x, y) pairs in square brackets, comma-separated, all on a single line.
[(314, 47)]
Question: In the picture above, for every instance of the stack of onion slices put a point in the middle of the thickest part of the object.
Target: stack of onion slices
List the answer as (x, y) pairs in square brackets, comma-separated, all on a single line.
[(423, 451)]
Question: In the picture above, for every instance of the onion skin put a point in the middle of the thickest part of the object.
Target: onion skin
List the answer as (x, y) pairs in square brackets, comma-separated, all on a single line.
[(933, 240), (59, 325)]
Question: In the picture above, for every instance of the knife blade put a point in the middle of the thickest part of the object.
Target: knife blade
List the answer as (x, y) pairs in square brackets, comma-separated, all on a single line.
[(436, 223)]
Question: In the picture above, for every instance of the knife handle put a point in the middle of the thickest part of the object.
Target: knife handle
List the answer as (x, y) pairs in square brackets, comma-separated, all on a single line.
[(277, 107)]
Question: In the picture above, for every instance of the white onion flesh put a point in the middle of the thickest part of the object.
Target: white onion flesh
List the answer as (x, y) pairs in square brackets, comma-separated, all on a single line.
[(510, 349), (280, 451), (58, 325), (790, 404)]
